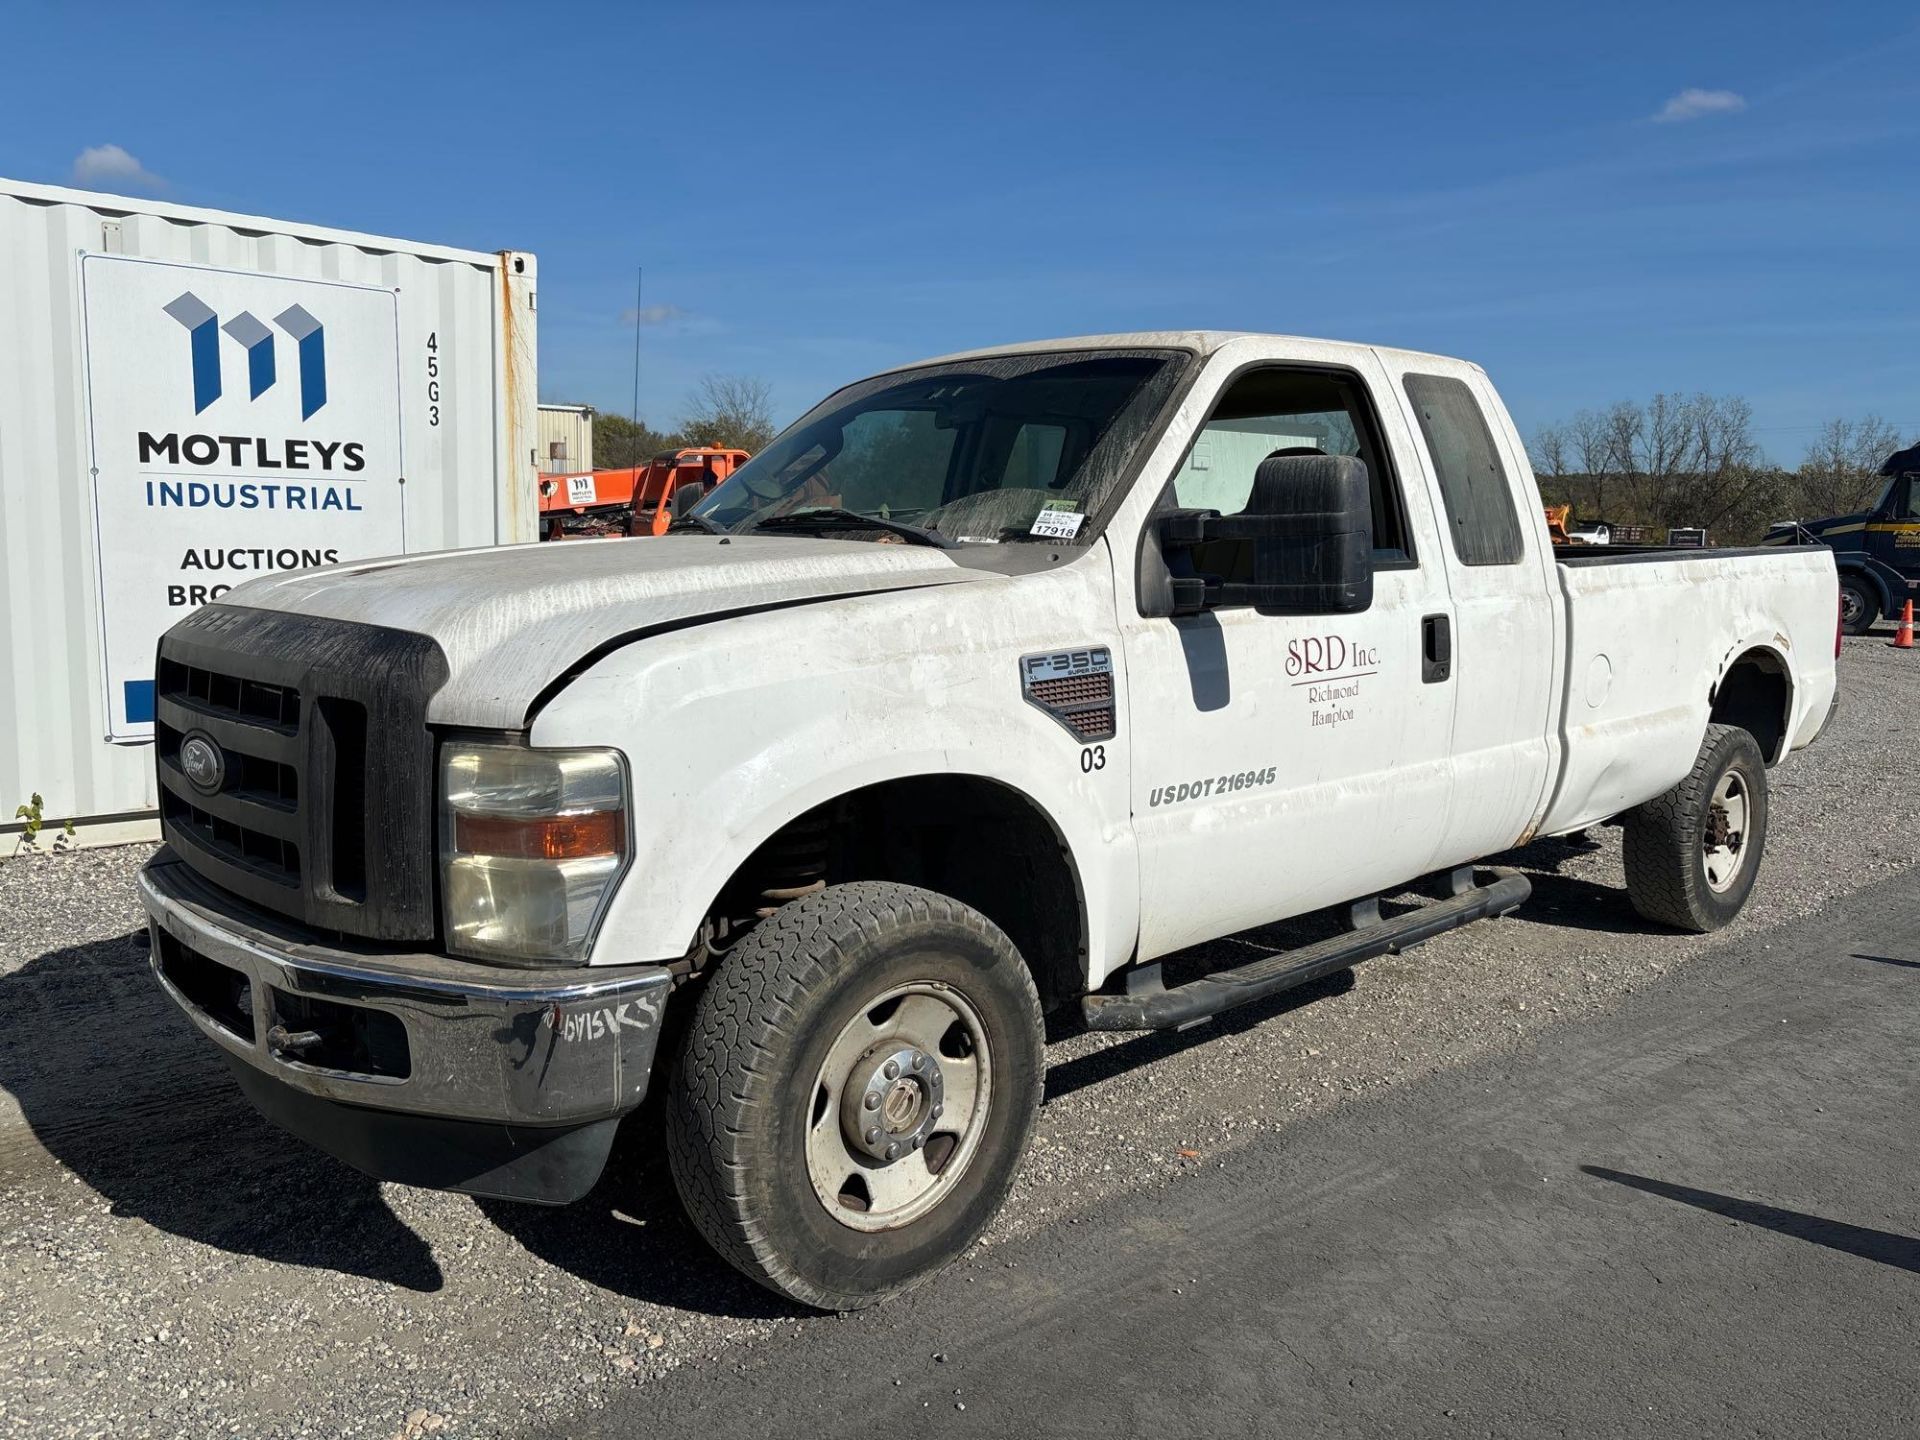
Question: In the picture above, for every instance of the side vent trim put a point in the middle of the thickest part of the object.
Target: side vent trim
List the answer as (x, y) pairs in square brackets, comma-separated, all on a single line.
[(1075, 687)]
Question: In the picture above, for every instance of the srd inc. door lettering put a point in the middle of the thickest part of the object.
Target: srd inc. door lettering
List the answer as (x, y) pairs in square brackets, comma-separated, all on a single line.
[(1330, 669)]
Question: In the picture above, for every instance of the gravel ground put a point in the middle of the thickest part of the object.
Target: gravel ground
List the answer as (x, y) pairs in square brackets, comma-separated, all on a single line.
[(170, 1265)]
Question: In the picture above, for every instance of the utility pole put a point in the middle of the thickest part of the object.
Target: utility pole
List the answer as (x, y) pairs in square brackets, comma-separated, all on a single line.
[(639, 280)]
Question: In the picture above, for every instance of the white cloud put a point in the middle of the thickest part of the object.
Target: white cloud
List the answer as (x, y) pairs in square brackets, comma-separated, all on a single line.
[(652, 315), (1692, 104), (111, 167)]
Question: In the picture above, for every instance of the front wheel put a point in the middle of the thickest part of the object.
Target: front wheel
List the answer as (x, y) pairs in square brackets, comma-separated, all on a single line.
[(857, 1085), (1693, 854)]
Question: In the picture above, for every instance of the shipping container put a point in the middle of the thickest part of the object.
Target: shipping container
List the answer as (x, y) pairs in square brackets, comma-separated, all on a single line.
[(566, 439), (189, 398)]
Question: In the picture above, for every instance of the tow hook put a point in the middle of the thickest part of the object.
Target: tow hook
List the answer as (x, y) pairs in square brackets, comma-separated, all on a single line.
[(292, 1042)]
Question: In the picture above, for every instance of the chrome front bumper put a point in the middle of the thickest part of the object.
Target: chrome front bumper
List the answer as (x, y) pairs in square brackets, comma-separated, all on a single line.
[(380, 1057)]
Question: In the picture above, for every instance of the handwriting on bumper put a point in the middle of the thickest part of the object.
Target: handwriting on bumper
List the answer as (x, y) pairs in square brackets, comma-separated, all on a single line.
[(597, 1024)]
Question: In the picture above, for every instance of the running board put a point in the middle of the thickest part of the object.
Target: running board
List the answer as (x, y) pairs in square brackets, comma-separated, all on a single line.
[(1149, 1005)]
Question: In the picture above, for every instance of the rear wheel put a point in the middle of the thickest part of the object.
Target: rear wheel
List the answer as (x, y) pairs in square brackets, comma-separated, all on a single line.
[(1692, 854), (858, 1083), (1859, 606)]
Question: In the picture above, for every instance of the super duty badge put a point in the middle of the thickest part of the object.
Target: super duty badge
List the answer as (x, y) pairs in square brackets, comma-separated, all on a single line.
[(1075, 687)]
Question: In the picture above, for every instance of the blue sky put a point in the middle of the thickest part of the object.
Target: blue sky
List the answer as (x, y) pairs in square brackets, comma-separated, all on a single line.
[(1593, 202)]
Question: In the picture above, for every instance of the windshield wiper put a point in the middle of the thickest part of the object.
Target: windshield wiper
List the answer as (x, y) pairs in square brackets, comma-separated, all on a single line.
[(852, 519), (698, 522)]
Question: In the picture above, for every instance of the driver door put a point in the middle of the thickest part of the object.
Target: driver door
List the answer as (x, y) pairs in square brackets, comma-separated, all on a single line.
[(1287, 763), (1893, 537)]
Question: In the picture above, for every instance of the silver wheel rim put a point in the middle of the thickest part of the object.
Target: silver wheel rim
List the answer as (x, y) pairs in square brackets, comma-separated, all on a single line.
[(897, 1111), (1724, 845)]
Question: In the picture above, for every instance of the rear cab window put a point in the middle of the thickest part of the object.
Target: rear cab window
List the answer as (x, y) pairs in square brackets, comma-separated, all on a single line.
[(1473, 483)]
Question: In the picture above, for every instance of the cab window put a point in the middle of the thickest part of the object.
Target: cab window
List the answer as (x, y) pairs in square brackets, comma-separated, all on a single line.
[(1473, 484), (1292, 411)]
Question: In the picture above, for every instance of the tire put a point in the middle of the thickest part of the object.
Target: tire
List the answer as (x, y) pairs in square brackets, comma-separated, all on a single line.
[(1676, 874), (1859, 605), (769, 1079)]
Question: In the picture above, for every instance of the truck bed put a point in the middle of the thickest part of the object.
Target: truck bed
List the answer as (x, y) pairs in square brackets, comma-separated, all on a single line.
[(1645, 658)]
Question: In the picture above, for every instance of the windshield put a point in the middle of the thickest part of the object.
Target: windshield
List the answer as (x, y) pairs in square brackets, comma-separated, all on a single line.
[(1018, 447)]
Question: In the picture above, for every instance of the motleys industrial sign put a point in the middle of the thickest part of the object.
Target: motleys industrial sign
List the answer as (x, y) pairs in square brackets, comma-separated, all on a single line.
[(240, 424)]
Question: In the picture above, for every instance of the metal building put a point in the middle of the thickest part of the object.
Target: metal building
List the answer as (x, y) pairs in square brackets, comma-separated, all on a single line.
[(189, 397), (566, 439)]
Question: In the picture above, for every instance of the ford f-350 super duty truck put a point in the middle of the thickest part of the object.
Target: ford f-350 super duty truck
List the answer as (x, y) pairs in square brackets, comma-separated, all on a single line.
[(993, 681)]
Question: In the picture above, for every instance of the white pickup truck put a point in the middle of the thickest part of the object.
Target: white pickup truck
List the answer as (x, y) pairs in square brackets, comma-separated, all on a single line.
[(991, 682)]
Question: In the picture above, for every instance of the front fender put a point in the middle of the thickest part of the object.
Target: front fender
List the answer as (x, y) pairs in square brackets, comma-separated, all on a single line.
[(1866, 569), (734, 729)]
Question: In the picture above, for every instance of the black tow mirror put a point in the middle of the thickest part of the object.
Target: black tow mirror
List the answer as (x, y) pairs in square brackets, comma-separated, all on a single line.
[(1309, 527)]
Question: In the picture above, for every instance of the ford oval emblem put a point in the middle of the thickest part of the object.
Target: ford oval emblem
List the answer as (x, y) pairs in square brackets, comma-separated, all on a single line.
[(203, 763)]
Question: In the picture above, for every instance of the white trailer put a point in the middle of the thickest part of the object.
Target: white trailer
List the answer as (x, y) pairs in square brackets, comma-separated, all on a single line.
[(190, 399)]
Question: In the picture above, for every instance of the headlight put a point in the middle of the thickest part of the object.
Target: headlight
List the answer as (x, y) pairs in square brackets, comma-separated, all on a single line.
[(531, 845)]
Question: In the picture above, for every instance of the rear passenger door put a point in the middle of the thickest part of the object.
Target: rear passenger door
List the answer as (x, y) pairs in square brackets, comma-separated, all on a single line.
[(1508, 638)]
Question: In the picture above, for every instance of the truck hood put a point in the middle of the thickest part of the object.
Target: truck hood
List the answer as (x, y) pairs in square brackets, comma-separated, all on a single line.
[(1789, 528), (513, 620)]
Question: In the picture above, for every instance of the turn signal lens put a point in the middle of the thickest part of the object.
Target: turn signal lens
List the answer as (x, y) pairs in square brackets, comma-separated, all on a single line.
[(564, 837)]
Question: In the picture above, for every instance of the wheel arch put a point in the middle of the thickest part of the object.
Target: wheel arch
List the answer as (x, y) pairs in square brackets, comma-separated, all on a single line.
[(976, 838), (1864, 571), (1755, 692)]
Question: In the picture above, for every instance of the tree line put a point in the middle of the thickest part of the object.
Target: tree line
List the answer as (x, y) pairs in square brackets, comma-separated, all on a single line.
[(733, 412), (1694, 460)]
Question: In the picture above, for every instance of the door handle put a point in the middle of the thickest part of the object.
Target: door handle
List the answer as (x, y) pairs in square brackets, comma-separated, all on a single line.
[(1436, 649)]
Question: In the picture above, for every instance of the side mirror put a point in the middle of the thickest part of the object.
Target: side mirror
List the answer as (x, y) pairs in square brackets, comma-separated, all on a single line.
[(1309, 524)]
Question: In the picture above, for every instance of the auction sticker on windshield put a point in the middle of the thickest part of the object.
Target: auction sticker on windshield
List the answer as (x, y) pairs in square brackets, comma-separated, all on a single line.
[(1058, 520)]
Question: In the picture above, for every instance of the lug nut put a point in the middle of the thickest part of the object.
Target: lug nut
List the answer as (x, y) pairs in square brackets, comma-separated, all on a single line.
[(892, 1072), (872, 1102), (919, 1061), (893, 1152), (918, 1141), (936, 1111), (873, 1137)]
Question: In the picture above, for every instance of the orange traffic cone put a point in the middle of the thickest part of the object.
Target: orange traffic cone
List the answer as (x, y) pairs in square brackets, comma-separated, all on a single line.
[(1903, 637)]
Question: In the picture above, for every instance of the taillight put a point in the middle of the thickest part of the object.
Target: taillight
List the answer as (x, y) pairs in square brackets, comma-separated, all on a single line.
[(1839, 623)]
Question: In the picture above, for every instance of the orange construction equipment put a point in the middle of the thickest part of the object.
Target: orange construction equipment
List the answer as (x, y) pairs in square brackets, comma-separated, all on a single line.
[(636, 501), (1557, 517), (702, 465), (1903, 637)]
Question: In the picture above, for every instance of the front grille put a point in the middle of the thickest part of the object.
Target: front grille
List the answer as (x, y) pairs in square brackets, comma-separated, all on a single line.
[(250, 819), (266, 855), (243, 699), (321, 804)]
